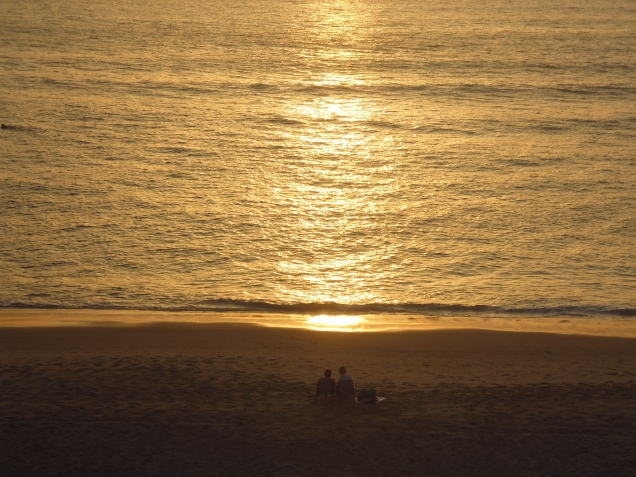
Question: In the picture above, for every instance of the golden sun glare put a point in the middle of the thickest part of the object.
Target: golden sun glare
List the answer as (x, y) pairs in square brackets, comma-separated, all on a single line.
[(335, 323)]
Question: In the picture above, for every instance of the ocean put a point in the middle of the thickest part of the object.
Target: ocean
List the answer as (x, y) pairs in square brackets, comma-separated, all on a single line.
[(319, 157)]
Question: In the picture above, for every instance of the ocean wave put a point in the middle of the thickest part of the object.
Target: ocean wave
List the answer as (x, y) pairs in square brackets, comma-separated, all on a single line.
[(442, 89), (284, 121), (442, 130), (383, 124), (430, 309)]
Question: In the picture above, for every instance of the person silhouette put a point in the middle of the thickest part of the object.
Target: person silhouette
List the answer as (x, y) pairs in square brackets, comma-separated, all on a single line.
[(345, 389), (326, 386)]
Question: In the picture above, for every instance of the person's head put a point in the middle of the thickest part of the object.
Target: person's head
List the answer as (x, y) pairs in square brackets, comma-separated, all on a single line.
[(342, 370), (327, 373)]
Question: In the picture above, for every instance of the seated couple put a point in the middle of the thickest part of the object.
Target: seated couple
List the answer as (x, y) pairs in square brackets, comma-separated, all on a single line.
[(344, 390)]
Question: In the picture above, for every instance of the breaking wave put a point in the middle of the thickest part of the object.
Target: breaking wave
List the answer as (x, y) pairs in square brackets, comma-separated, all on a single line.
[(432, 309)]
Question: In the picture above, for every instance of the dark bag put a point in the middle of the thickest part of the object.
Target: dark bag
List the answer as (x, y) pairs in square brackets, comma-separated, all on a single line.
[(368, 395)]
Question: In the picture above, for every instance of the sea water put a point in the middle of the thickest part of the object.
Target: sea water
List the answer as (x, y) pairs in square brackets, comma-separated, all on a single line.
[(323, 156)]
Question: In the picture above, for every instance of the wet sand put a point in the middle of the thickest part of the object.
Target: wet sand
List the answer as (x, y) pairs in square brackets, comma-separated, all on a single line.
[(599, 326), (218, 399)]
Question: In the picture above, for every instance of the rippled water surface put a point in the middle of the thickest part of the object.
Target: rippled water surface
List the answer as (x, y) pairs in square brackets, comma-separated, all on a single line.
[(380, 155)]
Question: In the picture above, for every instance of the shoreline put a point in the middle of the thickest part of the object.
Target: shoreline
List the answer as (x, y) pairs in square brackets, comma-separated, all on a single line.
[(592, 326)]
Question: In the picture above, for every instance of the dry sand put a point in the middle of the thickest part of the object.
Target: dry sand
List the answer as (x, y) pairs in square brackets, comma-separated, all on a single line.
[(215, 399)]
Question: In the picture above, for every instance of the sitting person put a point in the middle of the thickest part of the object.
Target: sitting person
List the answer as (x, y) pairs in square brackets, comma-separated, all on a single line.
[(326, 386), (345, 390)]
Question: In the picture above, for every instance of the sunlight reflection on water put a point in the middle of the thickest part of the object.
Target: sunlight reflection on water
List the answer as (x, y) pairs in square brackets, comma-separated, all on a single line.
[(267, 154), (335, 323)]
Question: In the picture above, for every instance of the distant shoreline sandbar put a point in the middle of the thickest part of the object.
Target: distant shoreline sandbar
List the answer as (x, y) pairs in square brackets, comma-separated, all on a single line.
[(39, 317)]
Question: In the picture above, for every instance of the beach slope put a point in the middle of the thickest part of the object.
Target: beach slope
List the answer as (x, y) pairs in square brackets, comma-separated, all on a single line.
[(233, 400)]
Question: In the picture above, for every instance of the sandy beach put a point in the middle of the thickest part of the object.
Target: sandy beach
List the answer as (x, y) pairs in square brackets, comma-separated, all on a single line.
[(220, 399)]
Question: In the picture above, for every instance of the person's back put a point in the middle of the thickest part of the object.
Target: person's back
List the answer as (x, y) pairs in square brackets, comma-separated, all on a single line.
[(326, 385), (345, 390)]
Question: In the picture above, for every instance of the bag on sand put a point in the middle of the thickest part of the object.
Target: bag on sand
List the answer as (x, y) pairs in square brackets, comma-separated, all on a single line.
[(368, 395)]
